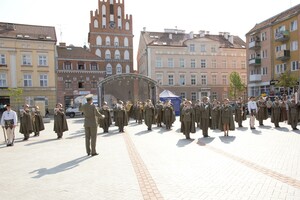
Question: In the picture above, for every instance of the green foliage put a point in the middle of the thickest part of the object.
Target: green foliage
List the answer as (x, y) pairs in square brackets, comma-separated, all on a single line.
[(287, 79), (236, 85), (16, 94)]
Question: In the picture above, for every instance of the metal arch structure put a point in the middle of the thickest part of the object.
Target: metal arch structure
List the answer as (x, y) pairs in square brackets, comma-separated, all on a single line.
[(152, 84)]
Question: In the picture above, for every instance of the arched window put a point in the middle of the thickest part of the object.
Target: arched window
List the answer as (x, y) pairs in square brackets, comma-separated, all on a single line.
[(108, 69), (127, 69), (99, 40), (126, 55), (119, 17), (96, 24), (107, 54), (116, 41), (119, 69), (127, 26), (126, 44), (107, 41), (98, 53), (117, 55), (103, 16), (111, 1)]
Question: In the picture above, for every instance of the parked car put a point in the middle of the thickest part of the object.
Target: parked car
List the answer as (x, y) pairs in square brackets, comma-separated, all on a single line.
[(73, 111)]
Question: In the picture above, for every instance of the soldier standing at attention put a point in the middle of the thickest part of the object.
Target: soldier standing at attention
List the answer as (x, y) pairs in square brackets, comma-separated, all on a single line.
[(240, 114), (262, 111), (168, 114), (60, 121), (149, 112), (121, 116), (226, 118), (159, 113), (90, 124), (188, 120), (197, 112), (37, 121), (9, 121), (26, 122), (215, 114), (252, 107), (293, 111), (276, 115), (205, 116), (106, 122)]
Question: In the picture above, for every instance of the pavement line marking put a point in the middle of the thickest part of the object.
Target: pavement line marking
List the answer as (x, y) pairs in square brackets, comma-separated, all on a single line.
[(147, 185), (273, 174)]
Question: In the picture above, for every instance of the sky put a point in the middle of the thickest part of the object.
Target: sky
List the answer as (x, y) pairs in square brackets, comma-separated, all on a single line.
[(71, 18)]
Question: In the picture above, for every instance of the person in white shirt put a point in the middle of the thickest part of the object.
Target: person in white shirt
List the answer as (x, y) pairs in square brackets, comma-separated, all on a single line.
[(252, 108), (9, 121)]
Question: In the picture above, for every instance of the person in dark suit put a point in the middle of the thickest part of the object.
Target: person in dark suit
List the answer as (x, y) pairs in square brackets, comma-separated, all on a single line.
[(90, 124)]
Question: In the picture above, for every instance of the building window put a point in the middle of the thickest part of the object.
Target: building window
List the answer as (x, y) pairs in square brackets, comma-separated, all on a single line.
[(80, 84), (95, 23), (3, 82), (264, 70), (158, 62), (192, 47), (193, 96), (107, 54), (68, 84), (214, 63), (224, 64), (181, 62), (26, 59), (214, 79), (193, 80), (234, 64), (126, 43), (263, 36), (108, 69), (43, 60), (170, 79), (203, 63), (98, 40), (224, 79), (202, 48), (182, 95), (294, 65), (43, 80), (294, 25), (81, 66), (264, 53), (214, 95), (280, 68), (159, 79), (119, 69), (117, 55), (170, 62), (94, 66), (67, 66), (243, 64), (193, 63), (116, 41), (181, 79), (94, 84), (107, 41), (27, 80), (2, 59), (213, 49), (127, 69), (294, 45), (203, 80), (126, 55)]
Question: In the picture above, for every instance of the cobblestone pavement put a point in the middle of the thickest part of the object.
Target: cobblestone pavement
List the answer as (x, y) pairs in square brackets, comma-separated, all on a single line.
[(139, 164)]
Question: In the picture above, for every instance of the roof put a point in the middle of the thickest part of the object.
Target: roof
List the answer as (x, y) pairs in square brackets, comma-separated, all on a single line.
[(179, 39), (72, 52), (27, 32), (167, 93), (277, 18)]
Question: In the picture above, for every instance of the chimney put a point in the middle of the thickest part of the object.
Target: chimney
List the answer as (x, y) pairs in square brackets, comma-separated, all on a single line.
[(202, 33), (144, 29), (230, 39), (62, 44), (226, 35), (170, 36)]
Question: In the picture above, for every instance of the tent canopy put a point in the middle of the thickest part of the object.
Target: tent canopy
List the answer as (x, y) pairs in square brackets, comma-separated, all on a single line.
[(176, 100)]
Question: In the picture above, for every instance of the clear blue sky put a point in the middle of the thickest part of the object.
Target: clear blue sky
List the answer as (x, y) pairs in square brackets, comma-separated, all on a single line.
[(71, 17)]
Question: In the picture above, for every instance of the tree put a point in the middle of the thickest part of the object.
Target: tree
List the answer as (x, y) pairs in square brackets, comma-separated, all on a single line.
[(16, 94), (287, 80), (236, 85)]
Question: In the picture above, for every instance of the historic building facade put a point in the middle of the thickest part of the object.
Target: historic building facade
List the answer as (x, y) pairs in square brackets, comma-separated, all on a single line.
[(27, 63), (78, 73), (192, 65), (272, 49)]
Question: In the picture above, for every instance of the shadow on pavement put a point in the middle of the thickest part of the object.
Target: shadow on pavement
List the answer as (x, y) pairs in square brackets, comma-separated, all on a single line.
[(284, 129), (264, 127), (109, 134), (59, 168), (242, 128), (143, 132), (227, 139), (184, 142), (78, 133), (256, 132), (205, 140), (296, 131), (40, 142)]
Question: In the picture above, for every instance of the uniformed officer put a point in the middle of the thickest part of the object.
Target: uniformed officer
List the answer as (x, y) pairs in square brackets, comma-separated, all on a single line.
[(90, 124)]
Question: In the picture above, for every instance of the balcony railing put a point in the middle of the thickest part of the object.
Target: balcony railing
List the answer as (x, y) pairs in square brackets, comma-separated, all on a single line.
[(254, 45), (283, 55), (282, 36), (255, 77), (255, 61)]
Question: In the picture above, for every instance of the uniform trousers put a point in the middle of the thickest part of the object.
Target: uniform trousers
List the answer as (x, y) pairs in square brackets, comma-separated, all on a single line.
[(90, 139)]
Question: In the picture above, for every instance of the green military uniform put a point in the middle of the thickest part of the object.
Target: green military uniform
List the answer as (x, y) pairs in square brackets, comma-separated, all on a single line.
[(226, 117), (188, 121), (60, 122), (240, 113), (149, 114), (26, 123), (293, 112), (205, 109), (37, 122), (121, 116), (168, 115), (159, 113), (276, 116), (215, 116), (90, 125), (106, 122), (262, 111)]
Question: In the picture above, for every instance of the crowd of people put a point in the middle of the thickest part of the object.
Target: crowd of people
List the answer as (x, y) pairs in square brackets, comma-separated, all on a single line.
[(203, 115)]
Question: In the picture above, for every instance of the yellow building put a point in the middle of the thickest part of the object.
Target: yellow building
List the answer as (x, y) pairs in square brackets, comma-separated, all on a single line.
[(27, 63)]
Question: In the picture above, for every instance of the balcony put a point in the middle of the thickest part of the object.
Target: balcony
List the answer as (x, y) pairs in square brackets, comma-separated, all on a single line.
[(282, 36), (255, 77), (283, 55), (254, 45), (255, 61)]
